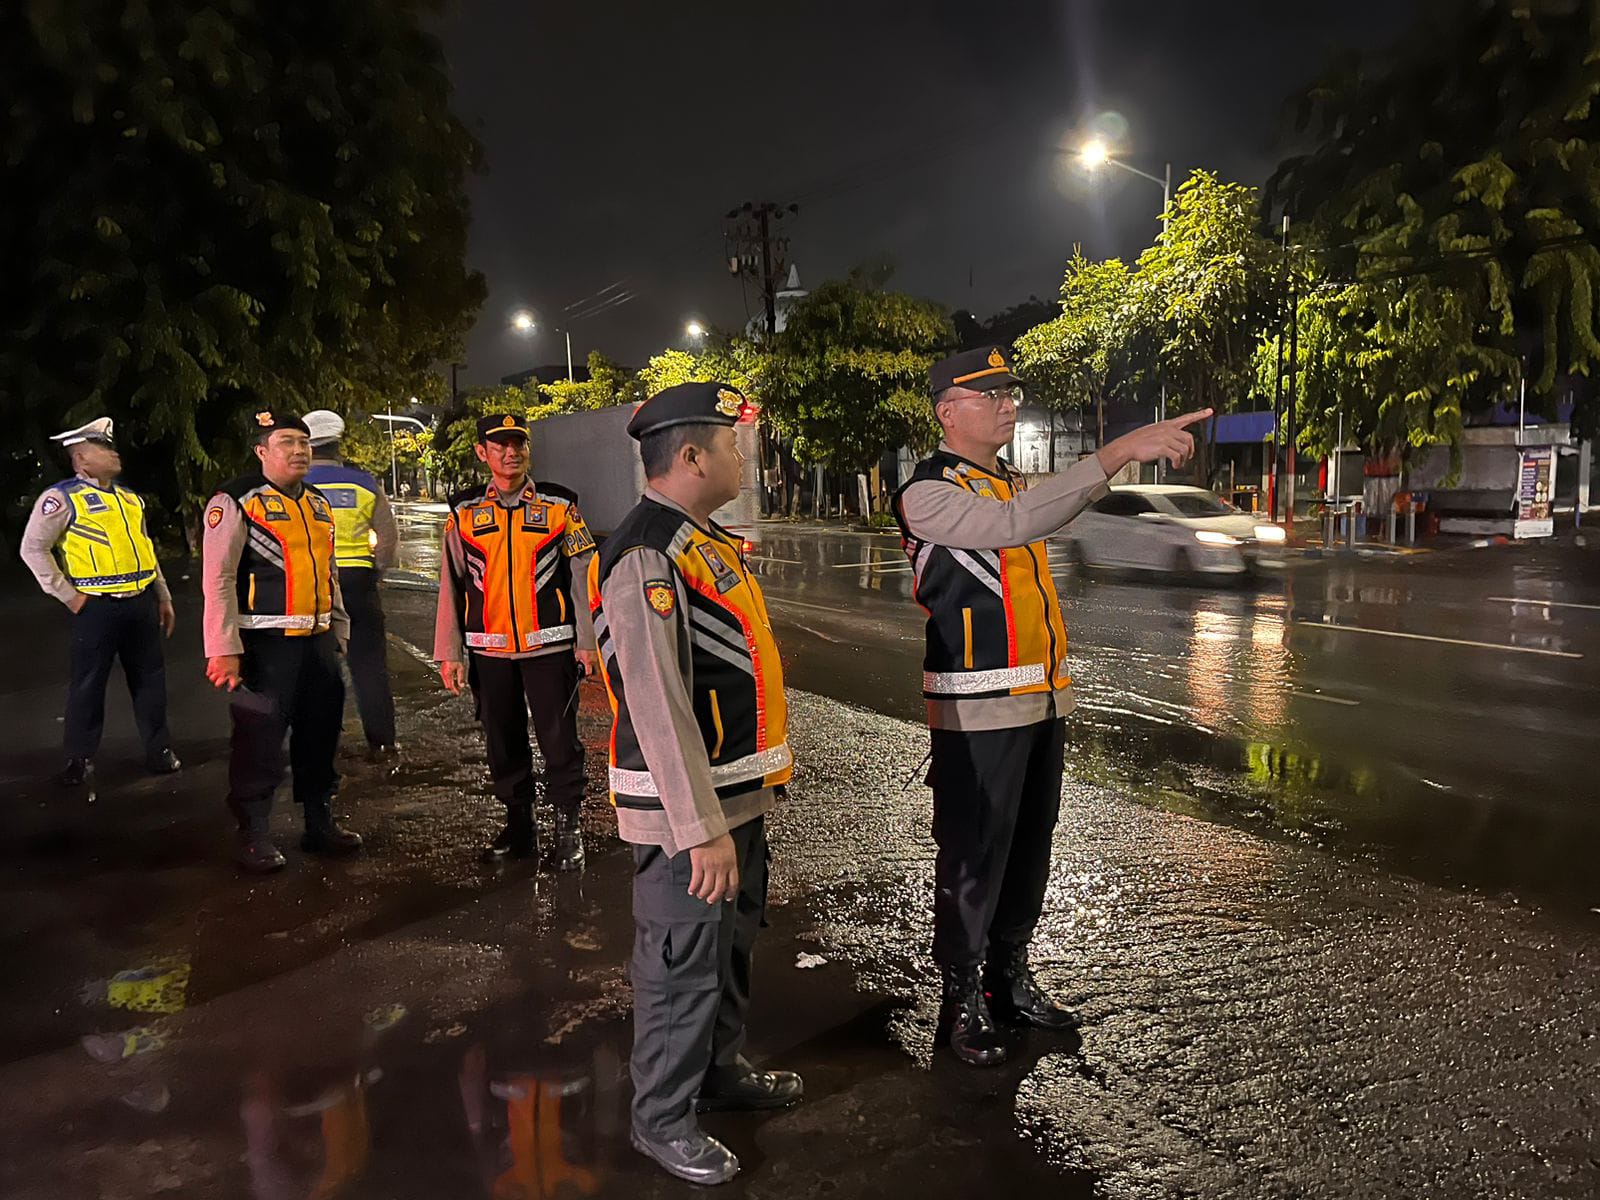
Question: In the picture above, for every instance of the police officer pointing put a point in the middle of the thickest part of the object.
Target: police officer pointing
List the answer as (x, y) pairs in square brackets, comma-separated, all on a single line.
[(365, 538), (274, 628), (87, 545), (995, 679), (699, 756)]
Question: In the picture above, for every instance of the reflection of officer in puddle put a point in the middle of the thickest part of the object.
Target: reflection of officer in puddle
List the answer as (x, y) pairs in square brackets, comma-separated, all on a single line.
[(531, 1129), (308, 1137)]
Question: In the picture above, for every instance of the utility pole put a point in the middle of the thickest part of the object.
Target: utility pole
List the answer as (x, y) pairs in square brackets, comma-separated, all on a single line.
[(759, 250), (1277, 395), (1293, 421)]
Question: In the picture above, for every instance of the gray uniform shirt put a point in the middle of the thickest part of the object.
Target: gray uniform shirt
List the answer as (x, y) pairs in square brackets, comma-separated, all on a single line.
[(220, 551), (448, 643), (39, 540), (951, 516), (657, 669)]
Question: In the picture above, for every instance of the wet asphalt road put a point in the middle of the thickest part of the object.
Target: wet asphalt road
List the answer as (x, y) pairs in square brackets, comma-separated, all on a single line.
[(1371, 971)]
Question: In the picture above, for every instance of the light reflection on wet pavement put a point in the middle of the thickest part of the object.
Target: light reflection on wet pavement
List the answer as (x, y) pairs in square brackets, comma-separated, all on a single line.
[(1264, 1018)]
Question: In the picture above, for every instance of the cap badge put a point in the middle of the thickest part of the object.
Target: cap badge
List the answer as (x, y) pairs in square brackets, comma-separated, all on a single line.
[(508, 423), (996, 359), (263, 419), (729, 402)]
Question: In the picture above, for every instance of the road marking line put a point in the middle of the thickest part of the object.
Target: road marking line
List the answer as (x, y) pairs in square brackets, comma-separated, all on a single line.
[(881, 563), (1423, 637), (425, 659), (1544, 603), (818, 633), (1326, 699), (793, 562)]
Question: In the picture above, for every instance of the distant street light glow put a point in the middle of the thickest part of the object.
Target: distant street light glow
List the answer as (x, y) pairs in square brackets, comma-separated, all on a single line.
[(522, 322), (694, 329)]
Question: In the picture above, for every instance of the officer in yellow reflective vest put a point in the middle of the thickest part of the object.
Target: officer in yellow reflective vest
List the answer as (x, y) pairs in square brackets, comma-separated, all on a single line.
[(87, 545), (995, 679), (364, 541), (274, 628), (699, 756)]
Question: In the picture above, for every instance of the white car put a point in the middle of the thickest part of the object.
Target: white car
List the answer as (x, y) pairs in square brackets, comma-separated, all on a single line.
[(1164, 527)]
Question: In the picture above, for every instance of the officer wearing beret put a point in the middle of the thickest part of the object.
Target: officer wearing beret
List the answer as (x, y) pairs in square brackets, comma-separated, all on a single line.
[(365, 538), (996, 684), (274, 628), (87, 545), (699, 756), (514, 599)]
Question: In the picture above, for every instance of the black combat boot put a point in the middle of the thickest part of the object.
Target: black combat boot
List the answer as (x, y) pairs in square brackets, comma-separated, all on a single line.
[(1015, 996), (569, 841), (515, 839), (163, 762), (76, 773), (964, 1020), (323, 834), (257, 854)]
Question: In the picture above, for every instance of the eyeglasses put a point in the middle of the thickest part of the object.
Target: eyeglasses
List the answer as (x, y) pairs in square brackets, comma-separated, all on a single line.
[(998, 396)]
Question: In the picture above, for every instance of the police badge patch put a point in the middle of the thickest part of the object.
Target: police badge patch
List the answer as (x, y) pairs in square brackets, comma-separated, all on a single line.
[(51, 504), (213, 516), (661, 597)]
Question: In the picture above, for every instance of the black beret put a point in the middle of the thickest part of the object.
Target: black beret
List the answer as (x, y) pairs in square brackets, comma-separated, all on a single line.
[(268, 421), (501, 423), (688, 404), (981, 370)]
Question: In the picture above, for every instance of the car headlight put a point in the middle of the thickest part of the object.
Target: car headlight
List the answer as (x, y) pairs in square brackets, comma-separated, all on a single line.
[(1215, 539), (1270, 533)]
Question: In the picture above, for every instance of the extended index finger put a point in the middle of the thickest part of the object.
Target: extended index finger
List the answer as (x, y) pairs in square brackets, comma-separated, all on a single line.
[(1189, 419)]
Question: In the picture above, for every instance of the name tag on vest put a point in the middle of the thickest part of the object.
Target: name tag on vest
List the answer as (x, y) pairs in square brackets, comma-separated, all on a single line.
[(93, 503), (536, 518), (725, 576), (342, 497)]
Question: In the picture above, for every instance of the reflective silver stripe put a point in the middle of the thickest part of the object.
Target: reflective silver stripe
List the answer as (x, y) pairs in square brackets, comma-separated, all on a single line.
[(280, 621), (717, 648), (740, 770), (543, 637), (972, 568), (969, 683), (488, 641)]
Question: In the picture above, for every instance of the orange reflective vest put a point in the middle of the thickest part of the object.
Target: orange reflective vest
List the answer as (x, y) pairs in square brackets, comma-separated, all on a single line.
[(517, 569), (285, 577)]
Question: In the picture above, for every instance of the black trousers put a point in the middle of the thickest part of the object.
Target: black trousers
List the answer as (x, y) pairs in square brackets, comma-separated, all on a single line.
[(507, 690), (691, 980), (367, 656), (291, 685), (996, 797), (103, 630)]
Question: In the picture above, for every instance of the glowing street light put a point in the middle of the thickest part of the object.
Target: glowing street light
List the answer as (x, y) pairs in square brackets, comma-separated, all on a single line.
[(1094, 154), (522, 321), (695, 330)]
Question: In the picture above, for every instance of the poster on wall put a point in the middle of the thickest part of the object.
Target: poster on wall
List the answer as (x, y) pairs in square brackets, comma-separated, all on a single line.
[(1536, 482)]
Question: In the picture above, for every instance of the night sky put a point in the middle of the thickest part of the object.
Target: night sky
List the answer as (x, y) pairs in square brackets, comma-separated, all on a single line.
[(619, 135)]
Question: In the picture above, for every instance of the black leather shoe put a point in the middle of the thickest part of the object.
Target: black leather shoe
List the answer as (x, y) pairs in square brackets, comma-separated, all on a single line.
[(1015, 997), (76, 773), (165, 763), (695, 1158), (515, 839), (751, 1091), (569, 842), (257, 854), (324, 835), (965, 1023), (388, 753)]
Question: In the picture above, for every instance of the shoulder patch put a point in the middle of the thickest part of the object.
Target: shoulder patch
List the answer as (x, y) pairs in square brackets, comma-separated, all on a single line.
[(661, 597), (51, 504), (213, 516)]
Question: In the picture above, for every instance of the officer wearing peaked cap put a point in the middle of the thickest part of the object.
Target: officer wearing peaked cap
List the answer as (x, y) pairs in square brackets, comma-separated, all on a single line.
[(513, 624), (996, 683), (87, 544), (699, 756), (274, 627)]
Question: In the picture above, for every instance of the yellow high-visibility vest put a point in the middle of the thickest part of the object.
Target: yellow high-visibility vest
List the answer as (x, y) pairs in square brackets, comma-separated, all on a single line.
[(353, 496), (105, 549)]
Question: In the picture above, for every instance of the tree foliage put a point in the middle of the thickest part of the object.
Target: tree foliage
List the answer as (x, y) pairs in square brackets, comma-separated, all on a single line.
[(215, 207), (1451, 201), (847, 376), (1078, 358)]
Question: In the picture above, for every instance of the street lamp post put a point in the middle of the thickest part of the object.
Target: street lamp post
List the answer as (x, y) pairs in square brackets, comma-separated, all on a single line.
[(390, 418), (523, 323), (1097, 154)]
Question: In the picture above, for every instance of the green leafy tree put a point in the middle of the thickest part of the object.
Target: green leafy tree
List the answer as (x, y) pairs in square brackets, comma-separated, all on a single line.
[(213, 208), (847, 377), (1451, 199), (1077, 358)]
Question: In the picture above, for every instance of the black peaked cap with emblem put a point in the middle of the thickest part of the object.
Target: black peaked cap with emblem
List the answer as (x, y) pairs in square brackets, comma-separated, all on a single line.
[(267, 421), (688, 404), (981, 370), (502, 423)]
